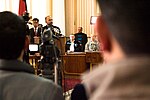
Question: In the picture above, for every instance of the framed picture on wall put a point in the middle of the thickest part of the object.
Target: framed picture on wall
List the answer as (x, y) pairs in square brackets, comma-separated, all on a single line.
[(93, 20)]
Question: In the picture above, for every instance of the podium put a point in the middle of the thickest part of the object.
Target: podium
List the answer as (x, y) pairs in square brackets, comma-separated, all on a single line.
[(61, 44), (78, 62), (74, 63)]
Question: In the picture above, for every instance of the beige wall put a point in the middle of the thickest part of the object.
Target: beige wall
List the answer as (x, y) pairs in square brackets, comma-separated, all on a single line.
[(78, 13)]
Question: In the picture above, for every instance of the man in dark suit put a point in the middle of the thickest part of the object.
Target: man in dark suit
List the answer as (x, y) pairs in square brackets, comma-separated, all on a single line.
[(81, 37), (35, 32), (49, 21)]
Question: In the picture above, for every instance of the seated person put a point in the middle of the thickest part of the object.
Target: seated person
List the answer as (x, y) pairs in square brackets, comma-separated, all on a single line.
[(72, 45), (93, 44)]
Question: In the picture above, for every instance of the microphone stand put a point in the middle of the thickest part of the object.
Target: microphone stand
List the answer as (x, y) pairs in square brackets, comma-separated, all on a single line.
[(56, 60)]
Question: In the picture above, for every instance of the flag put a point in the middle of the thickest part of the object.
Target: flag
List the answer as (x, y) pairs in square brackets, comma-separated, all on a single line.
[(22, 7)]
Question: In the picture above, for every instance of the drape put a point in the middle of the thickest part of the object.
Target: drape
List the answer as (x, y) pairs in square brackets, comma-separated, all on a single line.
[(36, 8)]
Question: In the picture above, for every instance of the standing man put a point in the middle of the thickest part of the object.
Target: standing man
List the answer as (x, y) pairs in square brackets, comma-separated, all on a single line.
[(81, 37), (35, 32), (17, 79), (49, 25)]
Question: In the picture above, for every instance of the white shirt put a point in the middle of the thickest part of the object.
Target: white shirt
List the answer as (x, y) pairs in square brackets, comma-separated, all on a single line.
[(72, 46)]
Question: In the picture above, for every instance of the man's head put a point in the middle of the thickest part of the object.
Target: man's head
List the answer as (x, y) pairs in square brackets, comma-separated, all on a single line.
[(93, 37), (72, 37), (128, 21), (12, 35), (80, 29), (49, 20), (35, 22)]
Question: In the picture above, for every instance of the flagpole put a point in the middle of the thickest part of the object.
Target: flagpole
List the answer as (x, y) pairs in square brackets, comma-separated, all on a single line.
[(26, 5)]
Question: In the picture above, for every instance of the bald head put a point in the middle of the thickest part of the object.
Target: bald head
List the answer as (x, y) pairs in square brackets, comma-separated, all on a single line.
[(49, 20)]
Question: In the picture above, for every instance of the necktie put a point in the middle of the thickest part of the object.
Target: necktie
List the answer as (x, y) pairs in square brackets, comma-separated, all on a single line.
[(35, 31)]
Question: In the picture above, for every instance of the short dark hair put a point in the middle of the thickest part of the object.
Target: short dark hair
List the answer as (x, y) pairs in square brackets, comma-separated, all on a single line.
[(36, 19), (12, 35), (128, 21)]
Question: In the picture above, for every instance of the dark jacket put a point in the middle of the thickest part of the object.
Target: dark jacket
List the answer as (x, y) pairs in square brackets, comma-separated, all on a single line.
[(32, 34), (17, 82), (56, 30), (82, 38), (77, 46)]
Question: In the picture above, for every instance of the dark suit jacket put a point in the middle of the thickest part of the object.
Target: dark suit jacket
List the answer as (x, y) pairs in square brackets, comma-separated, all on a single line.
[(32, 34), (82, 38), (77, 46), (56, 30), (45, 28)]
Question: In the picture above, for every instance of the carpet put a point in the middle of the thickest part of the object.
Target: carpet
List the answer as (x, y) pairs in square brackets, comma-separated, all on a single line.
[(69, 83)]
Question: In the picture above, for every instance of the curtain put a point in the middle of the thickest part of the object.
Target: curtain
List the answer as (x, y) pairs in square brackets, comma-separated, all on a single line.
[(36, 8)]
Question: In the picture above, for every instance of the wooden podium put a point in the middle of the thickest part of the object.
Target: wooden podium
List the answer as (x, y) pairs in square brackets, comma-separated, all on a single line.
[(61, 44), (74, 63), (77, 62)]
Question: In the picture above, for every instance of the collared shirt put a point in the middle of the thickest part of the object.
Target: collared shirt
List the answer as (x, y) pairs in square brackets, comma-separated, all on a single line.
[(72, 46)]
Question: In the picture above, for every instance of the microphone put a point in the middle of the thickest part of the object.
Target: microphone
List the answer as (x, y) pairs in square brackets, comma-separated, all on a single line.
[(48, 35), (55, 37), (55, 29), (51, 33)]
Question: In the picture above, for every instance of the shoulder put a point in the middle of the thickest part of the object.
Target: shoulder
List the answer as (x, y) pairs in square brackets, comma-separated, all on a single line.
[(68, 41), (55, 27), (46, 87), (117, 76), (77, 42), (45, 27), (31, 28)]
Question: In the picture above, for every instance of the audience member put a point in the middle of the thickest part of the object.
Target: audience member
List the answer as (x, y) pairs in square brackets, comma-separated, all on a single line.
[(126, 74), (72, 45), (55, 29), (35, 32), (81, 37), (17, 79), (93, 44)]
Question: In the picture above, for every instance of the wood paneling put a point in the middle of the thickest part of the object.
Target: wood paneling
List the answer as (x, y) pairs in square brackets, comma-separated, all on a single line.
[(61, 44), (77, 63), (74, 63)]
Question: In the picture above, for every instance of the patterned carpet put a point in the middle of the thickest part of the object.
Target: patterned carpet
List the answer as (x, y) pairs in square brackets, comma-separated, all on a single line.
[(69, 83)]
